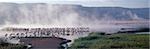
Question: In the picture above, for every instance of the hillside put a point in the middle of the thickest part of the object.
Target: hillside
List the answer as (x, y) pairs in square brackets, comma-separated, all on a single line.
[(42, 13)]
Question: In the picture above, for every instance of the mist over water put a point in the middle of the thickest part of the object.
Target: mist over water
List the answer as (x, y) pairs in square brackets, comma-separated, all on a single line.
[(98, 19), (42, 14), (56, 15)]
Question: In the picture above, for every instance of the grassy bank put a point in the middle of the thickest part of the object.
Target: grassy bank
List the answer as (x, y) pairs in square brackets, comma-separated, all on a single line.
[(114, 41)]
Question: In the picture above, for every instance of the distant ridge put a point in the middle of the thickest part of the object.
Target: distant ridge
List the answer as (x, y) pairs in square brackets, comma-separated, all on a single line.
[(42, 13)]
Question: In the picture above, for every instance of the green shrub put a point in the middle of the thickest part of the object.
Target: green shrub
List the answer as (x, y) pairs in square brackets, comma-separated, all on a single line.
[(114, 41)]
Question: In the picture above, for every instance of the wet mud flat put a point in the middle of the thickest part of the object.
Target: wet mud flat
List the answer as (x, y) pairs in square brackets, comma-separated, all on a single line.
[(44, 42)]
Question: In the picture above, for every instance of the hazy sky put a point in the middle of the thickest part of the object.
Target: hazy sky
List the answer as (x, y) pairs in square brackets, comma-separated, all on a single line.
[(95, 3)]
